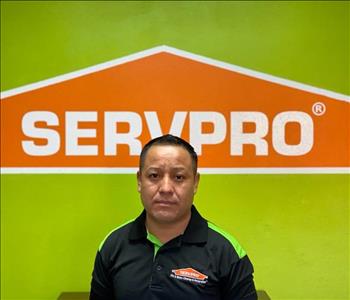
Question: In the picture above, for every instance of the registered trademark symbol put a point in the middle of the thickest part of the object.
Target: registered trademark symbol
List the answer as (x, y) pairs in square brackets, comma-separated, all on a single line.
[(319, 108)]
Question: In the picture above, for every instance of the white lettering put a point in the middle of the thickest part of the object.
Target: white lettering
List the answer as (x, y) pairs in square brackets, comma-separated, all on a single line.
[(30, 130), (45, 141), (112, 138), (239, 138), (306, 133), (198, 138), (155, 129), (73, 133)]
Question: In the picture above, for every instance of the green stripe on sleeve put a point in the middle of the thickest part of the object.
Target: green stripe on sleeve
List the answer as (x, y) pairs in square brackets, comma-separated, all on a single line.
[(101, 245), (240, 251)]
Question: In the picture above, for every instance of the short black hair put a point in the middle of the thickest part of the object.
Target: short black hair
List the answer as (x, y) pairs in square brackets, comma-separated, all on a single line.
[(169, 139)]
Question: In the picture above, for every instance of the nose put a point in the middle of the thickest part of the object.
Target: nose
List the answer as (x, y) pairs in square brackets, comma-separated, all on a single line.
[(165, 185)]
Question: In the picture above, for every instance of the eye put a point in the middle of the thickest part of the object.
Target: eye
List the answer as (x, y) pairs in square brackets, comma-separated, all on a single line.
[(179, 177), (153, 175)]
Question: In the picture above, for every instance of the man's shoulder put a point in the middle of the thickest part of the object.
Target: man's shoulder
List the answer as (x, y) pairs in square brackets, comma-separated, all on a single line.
[(119, 233), (224, 240)]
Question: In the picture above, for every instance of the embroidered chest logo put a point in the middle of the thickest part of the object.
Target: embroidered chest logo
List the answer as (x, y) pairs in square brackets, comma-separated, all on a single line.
[(190, 275)]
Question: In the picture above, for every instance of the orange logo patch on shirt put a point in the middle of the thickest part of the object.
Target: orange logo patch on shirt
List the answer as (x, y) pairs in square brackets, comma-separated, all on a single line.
[(189, 274)]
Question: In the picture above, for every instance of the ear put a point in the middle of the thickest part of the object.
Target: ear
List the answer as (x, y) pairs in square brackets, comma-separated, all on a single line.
[(138, 181), (196, 182)]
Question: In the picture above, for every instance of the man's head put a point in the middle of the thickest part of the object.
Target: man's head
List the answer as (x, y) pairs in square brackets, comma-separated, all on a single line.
[(170, 140), (167, 178)]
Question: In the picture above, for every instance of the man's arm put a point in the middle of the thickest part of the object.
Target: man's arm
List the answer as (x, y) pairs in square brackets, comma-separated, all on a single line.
[(239, 284), (101, 286)]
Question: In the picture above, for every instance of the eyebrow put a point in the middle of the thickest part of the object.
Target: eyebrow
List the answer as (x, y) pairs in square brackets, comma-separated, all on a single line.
[(173, 168)]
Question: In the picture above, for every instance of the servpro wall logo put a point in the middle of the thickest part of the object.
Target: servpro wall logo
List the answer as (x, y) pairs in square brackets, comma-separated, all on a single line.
[(190, 275), (238, 120)]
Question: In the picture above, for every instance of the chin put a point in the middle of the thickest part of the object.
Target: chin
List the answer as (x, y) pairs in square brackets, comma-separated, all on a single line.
[(164, 216)]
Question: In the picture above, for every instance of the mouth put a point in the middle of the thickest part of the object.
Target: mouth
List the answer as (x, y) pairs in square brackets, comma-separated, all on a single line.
[(166, 203)]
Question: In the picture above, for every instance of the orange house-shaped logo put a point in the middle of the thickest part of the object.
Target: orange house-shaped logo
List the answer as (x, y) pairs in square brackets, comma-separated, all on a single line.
[(238, 120)]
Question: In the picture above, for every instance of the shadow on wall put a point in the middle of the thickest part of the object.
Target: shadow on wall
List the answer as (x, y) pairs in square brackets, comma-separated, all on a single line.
[(262, 295)]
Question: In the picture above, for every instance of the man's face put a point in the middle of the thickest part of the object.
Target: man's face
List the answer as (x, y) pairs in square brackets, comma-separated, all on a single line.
[(167, 183)]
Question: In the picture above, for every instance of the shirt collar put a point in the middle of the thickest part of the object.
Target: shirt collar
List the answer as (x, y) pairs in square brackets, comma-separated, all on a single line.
[(196, 231)]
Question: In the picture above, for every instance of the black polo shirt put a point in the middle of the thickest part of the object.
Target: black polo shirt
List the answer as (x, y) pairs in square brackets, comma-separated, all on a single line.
[(203, 263)]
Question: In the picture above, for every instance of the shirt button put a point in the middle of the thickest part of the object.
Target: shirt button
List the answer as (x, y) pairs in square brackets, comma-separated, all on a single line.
[(159, 268)]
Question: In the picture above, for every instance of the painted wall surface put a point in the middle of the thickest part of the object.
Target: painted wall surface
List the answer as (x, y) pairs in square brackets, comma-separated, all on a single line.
[(295, 227)]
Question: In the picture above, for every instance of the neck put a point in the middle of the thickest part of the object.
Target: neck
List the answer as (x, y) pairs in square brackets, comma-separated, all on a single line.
[(167, 231)]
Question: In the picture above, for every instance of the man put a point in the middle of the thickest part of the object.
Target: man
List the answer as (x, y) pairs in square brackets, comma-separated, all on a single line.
[(170, 251)]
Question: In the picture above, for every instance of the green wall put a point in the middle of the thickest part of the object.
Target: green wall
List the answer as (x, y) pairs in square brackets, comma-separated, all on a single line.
[(294, 227)]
